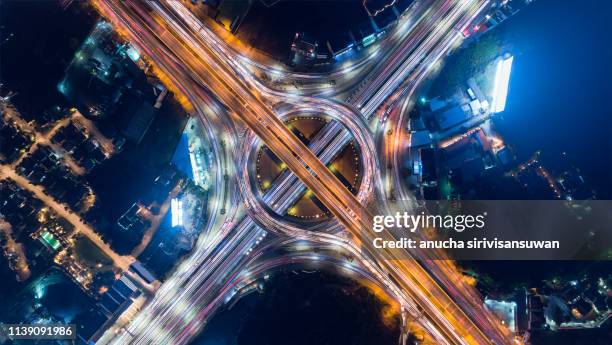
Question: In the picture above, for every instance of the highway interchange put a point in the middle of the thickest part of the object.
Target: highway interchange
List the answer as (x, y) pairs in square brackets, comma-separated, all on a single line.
[(368, 101)]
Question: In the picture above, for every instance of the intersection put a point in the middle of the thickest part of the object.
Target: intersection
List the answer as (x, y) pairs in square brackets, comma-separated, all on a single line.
[(223, 92)]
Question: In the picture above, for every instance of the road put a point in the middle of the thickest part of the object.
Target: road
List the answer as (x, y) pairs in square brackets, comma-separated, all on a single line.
[(178, 50), (122, 262)]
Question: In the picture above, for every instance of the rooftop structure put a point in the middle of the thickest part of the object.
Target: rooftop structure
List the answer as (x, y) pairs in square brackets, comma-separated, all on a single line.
[(500, 88)]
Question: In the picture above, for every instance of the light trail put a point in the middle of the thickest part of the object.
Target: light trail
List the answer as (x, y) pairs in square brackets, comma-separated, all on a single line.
[(194, 63)]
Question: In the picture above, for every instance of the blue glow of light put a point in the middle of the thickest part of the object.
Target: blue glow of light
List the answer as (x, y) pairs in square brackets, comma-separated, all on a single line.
[(176, 209), (133, 54), (368, 40), (61, 87), (500, 88)]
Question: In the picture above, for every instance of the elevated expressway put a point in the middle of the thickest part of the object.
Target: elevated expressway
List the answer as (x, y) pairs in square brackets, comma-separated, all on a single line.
[(190, 63), (410, 63)]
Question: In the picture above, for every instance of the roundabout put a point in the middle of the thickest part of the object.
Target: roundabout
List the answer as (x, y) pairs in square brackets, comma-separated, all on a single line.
[(346, 166), (276, 199)]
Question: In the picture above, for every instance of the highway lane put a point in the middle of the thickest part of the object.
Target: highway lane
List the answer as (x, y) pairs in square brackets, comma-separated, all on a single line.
[(338, 79), (387, 76), (258, 116), (151, 318), (392, 146), (217, 227), (195, 299), (335, 130), (332, 130), (283, 194), (449, 275), (274, 134), (448, 43), (444, 45), (145, 319), (279, 193)]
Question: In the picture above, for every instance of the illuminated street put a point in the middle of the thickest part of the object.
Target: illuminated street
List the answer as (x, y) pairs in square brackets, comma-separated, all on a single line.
[(449, 325), (186, 166)]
